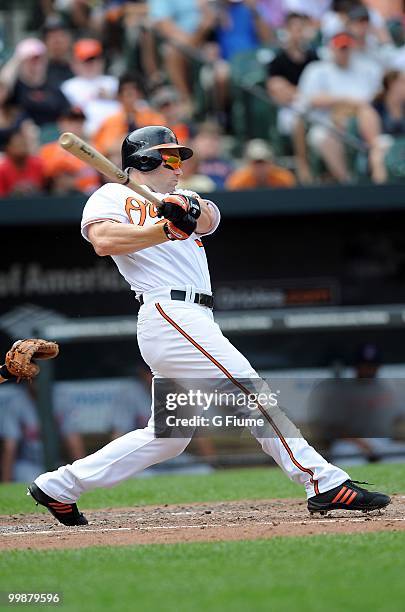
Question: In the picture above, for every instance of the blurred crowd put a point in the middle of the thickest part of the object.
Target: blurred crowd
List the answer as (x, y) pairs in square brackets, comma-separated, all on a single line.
[(269, 93), (353, 413), (87, 415)]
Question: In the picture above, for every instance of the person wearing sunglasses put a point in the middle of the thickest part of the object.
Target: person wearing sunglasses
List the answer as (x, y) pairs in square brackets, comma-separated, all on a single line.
[(159, 252)]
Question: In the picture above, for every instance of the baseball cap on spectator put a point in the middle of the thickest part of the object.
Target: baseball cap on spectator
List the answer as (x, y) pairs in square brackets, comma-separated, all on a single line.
[(86, 49), (342, 40), (52, 23), (258, 150), (73, 112), (165, 96), (359, 13), (30, 47), (61, 165)]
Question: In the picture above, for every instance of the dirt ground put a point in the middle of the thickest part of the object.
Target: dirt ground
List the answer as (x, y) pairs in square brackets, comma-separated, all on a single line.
[(206, 522)]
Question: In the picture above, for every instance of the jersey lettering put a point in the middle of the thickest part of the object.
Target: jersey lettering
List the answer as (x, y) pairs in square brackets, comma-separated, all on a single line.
[(131, 204), (143, 208)]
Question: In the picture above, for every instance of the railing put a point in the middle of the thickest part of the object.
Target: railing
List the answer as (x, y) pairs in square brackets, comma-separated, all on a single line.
[(250, 91)]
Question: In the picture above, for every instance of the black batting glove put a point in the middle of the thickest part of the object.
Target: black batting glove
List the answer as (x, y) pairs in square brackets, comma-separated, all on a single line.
[(177, 207)]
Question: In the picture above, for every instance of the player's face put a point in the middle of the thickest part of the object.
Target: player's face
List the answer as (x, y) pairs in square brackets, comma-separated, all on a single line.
[(164, 179)]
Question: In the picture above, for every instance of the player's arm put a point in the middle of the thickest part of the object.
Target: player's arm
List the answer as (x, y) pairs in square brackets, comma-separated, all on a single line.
[(207, 219), (110, 238)]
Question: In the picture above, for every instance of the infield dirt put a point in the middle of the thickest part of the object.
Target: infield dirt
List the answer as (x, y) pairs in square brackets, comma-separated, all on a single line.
[(209, 522)]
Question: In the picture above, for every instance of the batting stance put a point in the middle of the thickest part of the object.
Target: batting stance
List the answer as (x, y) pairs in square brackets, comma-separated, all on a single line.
[(160, 254)]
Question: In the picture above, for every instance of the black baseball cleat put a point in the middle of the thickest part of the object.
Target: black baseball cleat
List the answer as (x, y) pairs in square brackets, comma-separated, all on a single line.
[(66, 513), (348, 496)]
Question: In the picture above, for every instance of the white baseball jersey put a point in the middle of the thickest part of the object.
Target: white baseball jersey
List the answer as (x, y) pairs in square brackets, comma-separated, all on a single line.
[(170, 264)]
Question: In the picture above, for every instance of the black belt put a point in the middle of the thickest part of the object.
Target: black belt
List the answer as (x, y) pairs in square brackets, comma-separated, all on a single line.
[(203, 299)]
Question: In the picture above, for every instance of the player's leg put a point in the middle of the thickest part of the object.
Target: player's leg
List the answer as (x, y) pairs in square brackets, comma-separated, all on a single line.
[(192, 345), (120, 459)]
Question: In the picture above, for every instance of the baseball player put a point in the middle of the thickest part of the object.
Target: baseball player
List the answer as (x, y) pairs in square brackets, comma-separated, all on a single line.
[(160, 254)]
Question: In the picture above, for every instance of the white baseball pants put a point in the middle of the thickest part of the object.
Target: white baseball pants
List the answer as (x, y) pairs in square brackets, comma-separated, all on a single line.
[(179, 340)]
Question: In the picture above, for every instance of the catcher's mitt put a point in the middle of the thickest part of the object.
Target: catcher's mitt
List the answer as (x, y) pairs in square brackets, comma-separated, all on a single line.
[(19, 357)]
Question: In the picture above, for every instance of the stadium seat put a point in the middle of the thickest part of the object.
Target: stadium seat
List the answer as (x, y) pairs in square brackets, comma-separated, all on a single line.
[(395, 160), (252, 116)]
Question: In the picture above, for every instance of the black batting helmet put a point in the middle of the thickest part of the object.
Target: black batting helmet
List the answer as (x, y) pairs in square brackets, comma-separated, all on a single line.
[(140, 149)]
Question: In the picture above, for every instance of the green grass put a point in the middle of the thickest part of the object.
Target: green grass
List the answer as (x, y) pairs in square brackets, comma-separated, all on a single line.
[(335, 573), (260, 483), (328, 572)]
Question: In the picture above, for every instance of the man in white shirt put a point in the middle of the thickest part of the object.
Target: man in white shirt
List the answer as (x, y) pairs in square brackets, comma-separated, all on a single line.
[(160, 253), (331, 91)]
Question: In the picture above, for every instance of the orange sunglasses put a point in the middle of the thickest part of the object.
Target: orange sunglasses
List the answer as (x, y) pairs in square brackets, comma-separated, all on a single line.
[(171, 161)]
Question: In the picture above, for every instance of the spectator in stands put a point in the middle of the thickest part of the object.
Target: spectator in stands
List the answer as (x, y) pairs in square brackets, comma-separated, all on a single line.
[(65, 173), (11, 118), (330, 92), (182, 23), (387, 9), (372, 42), (128, 46), (273, 12), (166, 102), (240, 27), (212, 162), (335, 19), (22, 453), (26, 76), (286, 68), (79, 15), (20, 172), (259, 171), (113, 153), (356, 416), (193, 179), (58, 41), (92, 90), (63, 181), (93, 412), (133, 112), (384, 121)]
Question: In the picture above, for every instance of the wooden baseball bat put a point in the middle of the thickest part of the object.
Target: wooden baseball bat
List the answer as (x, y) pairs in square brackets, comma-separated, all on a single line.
[(82, 150)]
